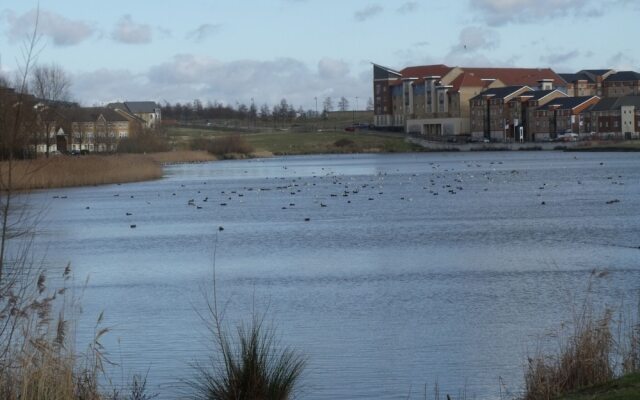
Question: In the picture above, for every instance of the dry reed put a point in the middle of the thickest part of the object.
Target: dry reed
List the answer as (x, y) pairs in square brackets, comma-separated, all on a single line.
[(587, 353), (65, 171), (182, 156)]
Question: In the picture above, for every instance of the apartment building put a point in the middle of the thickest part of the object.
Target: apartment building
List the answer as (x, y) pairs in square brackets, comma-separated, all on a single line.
[(508, 113), (433, 100), (588, 82), (623, 83), (562, 115), (615, 117)]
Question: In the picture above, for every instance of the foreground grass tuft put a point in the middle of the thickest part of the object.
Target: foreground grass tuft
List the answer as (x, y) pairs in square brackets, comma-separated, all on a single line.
[(250, 366)]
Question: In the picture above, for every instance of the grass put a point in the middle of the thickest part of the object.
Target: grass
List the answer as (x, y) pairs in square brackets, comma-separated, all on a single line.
[(595, 146), (182, 156), (625, 388), (588, 353), (294, 142), (67, 171)]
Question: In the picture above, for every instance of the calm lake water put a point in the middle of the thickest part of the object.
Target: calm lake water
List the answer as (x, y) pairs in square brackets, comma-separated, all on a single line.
[(412, 268)]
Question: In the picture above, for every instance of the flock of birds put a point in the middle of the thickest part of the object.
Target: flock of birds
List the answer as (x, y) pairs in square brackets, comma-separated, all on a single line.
[(326, 187)]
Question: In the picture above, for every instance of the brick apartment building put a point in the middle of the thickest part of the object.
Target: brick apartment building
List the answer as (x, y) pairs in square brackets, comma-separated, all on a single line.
[(614, 117), (562, 115), (623, 83), (435, 99), (588, 82)]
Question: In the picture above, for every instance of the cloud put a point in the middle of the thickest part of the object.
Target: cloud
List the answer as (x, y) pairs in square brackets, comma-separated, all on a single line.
[(621, 61), (332, 69), (61, 30), (367, 12), (186, 77), (474, 38), (204, 31), (500, 12), (128, 32), (408, 7), (559, 58)]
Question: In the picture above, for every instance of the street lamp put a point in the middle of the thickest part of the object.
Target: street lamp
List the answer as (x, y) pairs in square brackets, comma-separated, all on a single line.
[(316, 98)]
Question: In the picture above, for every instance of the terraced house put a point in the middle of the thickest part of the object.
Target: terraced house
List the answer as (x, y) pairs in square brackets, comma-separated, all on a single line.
[(95, 129)]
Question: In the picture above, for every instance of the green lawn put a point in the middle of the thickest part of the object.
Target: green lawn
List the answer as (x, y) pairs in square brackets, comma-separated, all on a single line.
[(625, 388), (300, 142)]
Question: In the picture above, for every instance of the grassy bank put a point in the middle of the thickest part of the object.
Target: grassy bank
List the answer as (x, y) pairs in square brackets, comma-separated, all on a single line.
[(293, 142), (630, 145), (627, 387)]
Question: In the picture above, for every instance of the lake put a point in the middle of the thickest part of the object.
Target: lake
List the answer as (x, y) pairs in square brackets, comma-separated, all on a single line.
[(411, 269)]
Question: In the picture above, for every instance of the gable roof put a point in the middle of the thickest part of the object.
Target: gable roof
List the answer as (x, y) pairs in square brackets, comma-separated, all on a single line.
[(567, 102), (614, 103), (623, 76), (91, 114), (135, 107), (421, 71), (467, 79), (540, 94), (517, 76), (501, 92), (579, 76)]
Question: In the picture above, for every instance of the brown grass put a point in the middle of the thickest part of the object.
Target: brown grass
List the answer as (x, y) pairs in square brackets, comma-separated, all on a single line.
[(587, 352), (182, 156), (66, 171)]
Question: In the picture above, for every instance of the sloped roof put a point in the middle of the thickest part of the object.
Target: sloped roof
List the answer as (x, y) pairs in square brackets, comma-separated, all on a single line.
[(614, 103), (135, 107), (141, 106), (467, 79), (623, 76), (91, 114), (579, 76), (596, 72), (566, 102), (501, 92), (421, 71), (539, 94), (517, 76)]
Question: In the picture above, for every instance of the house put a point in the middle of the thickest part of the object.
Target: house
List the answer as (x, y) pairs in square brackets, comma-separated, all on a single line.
[(615, 117), (148, 111), (95, 129), (433, 100), (562, 115)]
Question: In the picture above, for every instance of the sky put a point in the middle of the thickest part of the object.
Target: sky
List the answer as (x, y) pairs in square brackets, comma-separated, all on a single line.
[(264, 50)]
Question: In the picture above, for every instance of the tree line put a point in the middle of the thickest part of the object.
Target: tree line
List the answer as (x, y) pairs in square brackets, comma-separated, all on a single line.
[(280, 112)]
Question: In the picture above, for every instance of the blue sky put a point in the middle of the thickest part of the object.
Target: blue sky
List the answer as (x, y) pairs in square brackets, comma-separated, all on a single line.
[(233, 51)]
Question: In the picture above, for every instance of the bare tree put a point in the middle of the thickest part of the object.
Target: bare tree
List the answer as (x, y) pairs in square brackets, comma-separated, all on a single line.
[(343, 104), (327, 105), (50, 84)]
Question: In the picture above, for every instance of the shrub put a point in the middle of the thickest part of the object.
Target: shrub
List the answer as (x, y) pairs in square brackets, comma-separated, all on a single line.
[(144, 142), (344, 142), (232, 144)]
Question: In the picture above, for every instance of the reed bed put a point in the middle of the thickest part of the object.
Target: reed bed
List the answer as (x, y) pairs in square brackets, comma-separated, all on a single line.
[(65, 171), (182, 156)]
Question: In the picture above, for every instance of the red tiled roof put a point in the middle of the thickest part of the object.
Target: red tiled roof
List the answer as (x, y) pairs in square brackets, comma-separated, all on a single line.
[(421, 71), (517, 76), (467, 79)]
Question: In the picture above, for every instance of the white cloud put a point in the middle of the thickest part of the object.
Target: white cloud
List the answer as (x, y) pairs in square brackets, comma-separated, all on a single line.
[(127, 31), (555, 59), (474, 38), (204, 31), (500, 12), (329, 68), (186, 77), (367, 12), (61, 30)]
